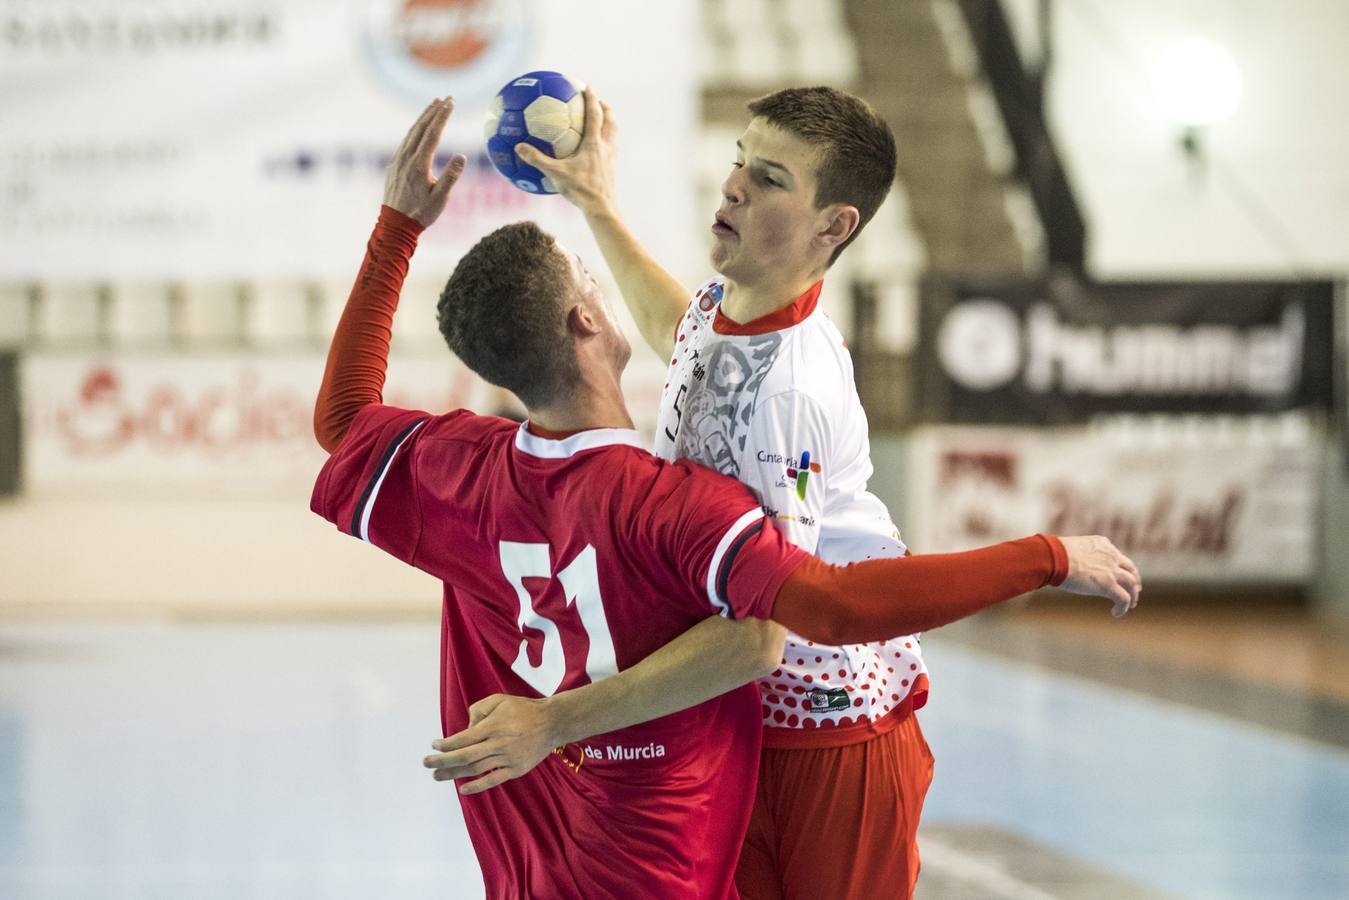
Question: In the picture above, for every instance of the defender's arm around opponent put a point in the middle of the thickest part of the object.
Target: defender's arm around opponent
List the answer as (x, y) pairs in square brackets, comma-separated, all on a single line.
[(509, 735)]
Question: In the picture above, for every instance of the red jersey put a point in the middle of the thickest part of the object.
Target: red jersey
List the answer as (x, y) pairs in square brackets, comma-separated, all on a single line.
[(565, 561)]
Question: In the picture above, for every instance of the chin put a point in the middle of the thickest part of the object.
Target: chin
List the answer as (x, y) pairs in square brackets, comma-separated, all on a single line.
[(721, 261)]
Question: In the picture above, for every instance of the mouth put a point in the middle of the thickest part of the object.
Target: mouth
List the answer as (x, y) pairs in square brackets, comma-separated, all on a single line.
[(722, 228)]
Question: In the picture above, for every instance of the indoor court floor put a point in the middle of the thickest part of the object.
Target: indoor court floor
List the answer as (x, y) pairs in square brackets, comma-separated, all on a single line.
[(1194, 752)]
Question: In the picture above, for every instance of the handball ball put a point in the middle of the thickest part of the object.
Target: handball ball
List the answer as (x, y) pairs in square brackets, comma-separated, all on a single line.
[(542, 108)]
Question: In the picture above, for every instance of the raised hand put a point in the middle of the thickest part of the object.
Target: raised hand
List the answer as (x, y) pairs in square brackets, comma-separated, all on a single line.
[(505, 738), (1097, 567), (410, 186), (586, 178)]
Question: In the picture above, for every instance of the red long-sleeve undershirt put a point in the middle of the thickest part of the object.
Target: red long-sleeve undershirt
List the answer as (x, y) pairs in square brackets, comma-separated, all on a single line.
[(359, 355), (833, 605)]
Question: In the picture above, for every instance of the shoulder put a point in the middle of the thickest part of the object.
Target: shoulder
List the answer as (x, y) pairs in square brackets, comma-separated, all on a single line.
[(815, 364), (463, 425)]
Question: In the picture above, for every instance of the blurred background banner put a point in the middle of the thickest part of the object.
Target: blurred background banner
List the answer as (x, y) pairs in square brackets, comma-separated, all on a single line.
[(1224, 501), (1056, 351), (215, 423), (249, 138)]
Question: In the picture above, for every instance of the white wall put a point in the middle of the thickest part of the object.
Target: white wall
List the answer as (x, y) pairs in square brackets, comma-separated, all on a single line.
[(1285, 151)]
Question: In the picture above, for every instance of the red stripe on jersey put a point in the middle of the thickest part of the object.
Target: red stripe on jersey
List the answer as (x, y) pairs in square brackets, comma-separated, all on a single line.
[(792, 314)]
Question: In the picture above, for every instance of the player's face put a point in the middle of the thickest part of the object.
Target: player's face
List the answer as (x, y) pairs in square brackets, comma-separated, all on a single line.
[(615, 341), (765, 227)]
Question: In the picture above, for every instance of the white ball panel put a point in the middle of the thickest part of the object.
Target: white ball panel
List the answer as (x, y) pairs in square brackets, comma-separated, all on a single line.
[(547, 118), (576, 108), (548, 184), (494, 112), (566, 145)]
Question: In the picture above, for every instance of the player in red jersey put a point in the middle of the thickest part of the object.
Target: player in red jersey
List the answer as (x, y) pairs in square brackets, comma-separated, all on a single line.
[(568, 553)]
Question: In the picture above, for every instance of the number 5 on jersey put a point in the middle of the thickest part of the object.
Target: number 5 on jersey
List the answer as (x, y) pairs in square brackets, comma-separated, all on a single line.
[(581, 585)]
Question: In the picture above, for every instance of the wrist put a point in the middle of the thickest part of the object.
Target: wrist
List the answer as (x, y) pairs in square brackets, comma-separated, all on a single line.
[(601, 211), (399, 222), (559, 718)]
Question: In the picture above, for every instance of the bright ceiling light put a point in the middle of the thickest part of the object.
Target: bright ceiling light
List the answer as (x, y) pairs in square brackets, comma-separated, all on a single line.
[(1198, 82)]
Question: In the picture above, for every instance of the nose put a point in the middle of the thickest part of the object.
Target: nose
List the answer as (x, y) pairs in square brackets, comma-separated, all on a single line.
[(733, 188)]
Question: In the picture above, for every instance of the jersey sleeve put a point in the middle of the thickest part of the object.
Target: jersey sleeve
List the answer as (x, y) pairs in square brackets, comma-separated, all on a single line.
[(729, 557), (786, 462), (368, 487)]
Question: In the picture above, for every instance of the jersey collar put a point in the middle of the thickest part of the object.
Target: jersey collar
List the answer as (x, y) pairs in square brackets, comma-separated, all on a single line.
[(591, 439), (793, 314)]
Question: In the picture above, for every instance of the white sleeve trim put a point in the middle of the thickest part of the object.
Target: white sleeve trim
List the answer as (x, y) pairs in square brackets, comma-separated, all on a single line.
[(718, 603), (364, 533)]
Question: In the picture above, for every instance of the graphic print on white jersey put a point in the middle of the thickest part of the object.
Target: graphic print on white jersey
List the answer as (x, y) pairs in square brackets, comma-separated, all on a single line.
[(714, 407), (751, 406)]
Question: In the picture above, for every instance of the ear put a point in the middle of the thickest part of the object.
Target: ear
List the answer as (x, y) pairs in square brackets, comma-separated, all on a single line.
[(839, 223), (581, 322)]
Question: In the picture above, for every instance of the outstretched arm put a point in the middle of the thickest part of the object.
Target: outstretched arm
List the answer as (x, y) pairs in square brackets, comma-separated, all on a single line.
[(359, 355), (507, 735), (586, 178)]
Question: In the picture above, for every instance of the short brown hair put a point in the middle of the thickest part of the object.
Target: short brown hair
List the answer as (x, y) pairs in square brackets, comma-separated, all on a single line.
[(503, 312), (857, 147)]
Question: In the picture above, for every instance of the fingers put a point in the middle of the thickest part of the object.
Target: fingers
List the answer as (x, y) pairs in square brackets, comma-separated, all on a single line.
[(594, 115), (479, 711), (414, 135), (453, 170), (490, 780), (470, 769), (425, 153), (608, 126), (467, 756), (459, 740), (535, 157)]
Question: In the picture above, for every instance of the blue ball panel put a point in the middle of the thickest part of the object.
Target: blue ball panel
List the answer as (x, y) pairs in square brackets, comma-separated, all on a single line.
[(528, 178), (515, 97), (542, 145), (502, 151), (557, 86), (512, 125)]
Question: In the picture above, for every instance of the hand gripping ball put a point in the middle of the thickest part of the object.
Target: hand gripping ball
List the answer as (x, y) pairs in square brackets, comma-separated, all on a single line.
[(542, 108)]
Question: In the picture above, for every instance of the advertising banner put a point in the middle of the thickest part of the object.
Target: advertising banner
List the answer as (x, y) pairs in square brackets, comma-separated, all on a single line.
[(1233, 502), (1032, 352), (215, 139), (226, 424)]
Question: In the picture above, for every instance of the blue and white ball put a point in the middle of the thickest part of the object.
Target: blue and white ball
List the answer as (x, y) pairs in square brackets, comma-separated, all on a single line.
[(542, 108)]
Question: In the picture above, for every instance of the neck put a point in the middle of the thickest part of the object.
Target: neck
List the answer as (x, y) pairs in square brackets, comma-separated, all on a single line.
[(746, 302), (591, 404)]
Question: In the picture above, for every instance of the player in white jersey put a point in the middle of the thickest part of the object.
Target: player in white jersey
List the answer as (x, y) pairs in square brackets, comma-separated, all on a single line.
[(773, 404), (761, 388)]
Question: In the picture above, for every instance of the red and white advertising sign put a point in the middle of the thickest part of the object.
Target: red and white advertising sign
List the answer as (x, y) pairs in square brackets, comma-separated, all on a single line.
[(215, 424), (1210, 506)]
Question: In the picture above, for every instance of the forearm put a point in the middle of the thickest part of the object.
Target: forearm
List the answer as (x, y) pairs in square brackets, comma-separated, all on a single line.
[(715, 656), (884, 598), (359, 355), (654, 297)]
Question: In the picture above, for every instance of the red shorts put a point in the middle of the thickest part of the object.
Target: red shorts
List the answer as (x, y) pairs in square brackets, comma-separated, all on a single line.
[(838, 822)]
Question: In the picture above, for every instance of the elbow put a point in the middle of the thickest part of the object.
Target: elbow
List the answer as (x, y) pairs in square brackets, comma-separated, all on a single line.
[(828, 624), (768, 647), (326, 432)]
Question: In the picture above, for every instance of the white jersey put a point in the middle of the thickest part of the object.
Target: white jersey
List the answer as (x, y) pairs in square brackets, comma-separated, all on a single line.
[(774, 405)]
